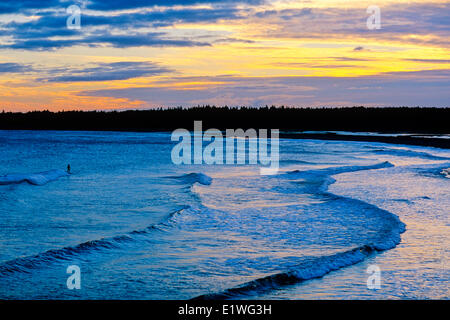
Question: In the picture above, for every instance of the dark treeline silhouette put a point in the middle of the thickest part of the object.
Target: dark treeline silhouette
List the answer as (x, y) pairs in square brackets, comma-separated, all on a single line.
[(413, 120)]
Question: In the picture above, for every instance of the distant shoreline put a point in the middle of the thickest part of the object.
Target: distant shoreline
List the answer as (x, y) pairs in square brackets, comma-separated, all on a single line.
[(405, 140), (403, 124)]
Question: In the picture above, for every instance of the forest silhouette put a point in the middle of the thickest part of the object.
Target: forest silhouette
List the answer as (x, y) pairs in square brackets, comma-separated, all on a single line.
[(291, 121), (404, 119)]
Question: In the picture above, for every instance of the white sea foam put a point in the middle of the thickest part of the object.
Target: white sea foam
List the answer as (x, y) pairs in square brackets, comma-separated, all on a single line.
[(37, 179)]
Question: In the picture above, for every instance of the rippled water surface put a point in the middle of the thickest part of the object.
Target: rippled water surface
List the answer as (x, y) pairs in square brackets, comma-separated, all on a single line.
[(140, 227)]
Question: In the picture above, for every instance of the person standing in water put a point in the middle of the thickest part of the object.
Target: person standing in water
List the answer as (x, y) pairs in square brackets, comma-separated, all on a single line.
[(68, 168)]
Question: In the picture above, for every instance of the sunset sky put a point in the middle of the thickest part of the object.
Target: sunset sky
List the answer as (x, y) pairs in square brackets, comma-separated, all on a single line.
[(134, 54)]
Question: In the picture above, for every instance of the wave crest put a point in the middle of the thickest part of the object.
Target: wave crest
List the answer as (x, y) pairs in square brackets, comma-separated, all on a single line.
[(37, 179), (194, 177), (26, 264), (311, 268), (315, 267), (446, 173)]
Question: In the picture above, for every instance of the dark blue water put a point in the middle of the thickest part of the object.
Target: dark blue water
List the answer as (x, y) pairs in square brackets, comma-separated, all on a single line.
[(140, 227)]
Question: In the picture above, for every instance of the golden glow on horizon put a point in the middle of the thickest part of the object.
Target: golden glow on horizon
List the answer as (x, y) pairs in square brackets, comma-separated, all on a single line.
[(270, 52)]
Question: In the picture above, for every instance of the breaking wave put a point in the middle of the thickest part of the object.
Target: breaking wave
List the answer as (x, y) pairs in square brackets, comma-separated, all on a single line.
[(27, 264), (320, 179), (311, 268), (387, 238), (195, 177), (446, 173), (408, 153), (37, 179)]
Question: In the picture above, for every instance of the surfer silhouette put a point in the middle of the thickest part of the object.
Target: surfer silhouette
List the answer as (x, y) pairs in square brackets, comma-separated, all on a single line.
[(68, 168)]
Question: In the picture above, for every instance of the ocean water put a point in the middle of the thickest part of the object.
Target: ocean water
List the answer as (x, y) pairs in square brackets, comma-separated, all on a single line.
[(140, 227)]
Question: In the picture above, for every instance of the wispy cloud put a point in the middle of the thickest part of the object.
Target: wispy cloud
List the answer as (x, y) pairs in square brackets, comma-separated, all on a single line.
[(48, 31), (423, 88), (107, 72), (12, 67), (430, 60), (403, 23)]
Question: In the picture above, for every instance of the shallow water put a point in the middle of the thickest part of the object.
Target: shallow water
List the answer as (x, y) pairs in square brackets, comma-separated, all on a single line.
[(140, 227)]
